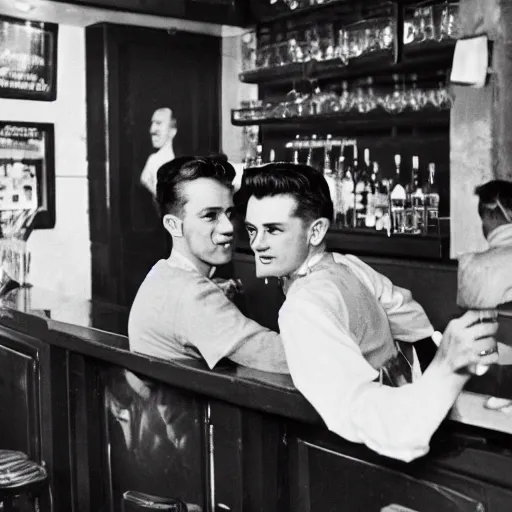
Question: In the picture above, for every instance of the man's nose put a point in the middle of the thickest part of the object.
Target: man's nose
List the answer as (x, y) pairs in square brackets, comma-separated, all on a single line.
[(259, 242), (225, 225)]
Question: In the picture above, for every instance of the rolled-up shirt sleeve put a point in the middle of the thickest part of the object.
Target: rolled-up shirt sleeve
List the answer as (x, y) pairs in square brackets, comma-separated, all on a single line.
[(217, 328), (407, 318), (329, 369)]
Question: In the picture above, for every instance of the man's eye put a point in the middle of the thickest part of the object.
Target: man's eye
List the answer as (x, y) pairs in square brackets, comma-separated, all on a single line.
[(210, 216), (273, 231), (250, 231)]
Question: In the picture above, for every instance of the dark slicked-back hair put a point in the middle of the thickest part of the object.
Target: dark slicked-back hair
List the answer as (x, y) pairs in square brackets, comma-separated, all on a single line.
[(490, 193), (172, 175), (304, 183)]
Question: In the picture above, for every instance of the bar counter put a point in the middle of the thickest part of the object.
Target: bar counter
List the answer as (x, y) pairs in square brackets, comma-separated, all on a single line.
[(109, 423)]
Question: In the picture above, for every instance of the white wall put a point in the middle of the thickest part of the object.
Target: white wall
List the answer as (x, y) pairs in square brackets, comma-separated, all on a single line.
[(61, 257)]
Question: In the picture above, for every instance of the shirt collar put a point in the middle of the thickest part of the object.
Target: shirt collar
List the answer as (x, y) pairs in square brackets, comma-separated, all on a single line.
[(302, 271), (500, 236), (178, 260)]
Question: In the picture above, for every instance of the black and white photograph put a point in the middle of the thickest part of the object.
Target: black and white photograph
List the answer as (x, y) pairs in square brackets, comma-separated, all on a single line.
[(256, 256)]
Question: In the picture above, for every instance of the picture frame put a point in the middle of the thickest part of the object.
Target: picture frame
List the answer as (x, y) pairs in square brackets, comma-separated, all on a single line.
[(28, 60), (27, 172)]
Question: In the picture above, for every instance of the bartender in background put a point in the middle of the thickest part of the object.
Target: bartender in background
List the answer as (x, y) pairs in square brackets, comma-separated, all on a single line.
[(485, 278)]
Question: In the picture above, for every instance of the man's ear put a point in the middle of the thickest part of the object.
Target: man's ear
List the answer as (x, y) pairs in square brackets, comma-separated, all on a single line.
[(173, 225), (318, 230)]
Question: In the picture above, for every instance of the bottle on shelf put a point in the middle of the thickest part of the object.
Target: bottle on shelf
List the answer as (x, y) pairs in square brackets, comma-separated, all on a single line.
[(358, 175), (328, 172), (272, 156), (296, 150), (397, 200), (345, 193), (248, 160), (417, 199), (369, 192), (259, 157), (309, 158), (431, 201)]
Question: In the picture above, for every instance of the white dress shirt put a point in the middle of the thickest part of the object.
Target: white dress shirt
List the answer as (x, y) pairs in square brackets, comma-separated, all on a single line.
[(154, 162), (329, 369), (485, 278)]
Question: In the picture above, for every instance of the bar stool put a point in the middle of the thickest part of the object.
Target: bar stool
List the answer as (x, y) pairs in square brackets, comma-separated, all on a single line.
[(20, 476)]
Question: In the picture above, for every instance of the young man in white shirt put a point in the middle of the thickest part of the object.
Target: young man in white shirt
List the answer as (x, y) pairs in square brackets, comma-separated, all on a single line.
[(179, 311), (336, 331), (485, 278)]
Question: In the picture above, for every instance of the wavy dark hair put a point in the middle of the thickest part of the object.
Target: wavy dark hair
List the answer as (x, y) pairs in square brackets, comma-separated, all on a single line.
[(171, 176), (490, 193), (303, 182)]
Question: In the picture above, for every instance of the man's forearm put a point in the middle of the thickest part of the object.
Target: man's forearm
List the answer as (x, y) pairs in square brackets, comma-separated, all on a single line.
[(264, 352), (406, 417)]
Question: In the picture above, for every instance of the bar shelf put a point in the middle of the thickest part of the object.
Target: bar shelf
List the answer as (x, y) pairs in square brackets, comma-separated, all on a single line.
[(347, 122), (421, 56)]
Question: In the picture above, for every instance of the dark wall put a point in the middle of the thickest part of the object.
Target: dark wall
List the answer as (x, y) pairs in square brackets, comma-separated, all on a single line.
[(132, 71)]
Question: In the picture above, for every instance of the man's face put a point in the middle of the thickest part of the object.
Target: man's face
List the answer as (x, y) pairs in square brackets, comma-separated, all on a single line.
[(280, 240), (207, 226), (160, 129)]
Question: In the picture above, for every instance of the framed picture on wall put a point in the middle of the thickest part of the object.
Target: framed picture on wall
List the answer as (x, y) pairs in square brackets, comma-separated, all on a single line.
[(27, 173), (28, 59)]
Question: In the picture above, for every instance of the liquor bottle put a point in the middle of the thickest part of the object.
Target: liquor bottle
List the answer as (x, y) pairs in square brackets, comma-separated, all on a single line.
[(368, 192), (409, 190), (272, 156), (397, 200), (247, 161), (417, 198), (327, 169), (259, 158), (312, 142), (296, 150), (431, 200)]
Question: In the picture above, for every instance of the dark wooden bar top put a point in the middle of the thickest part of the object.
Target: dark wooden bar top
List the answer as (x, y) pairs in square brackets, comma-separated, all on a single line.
[(109, 424), (99, 329)]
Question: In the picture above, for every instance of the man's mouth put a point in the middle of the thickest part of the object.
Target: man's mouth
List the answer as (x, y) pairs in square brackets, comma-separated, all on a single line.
[(265, 259), (225, 245)]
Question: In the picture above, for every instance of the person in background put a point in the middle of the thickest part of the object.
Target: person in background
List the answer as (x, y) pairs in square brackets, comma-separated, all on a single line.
[(485, 278), (338, 334), (179, 311), (163, 129)]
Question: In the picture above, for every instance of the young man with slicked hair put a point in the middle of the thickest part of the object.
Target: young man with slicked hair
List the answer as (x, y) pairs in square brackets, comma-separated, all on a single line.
[(179, 312), (341, 318)]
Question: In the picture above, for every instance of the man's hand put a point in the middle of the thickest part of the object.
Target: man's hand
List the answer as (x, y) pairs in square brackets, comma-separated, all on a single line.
[(230, 287), (468, 341)]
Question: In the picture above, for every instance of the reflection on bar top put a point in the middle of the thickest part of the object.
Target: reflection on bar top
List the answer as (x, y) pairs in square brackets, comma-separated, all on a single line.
[(83, 317)]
